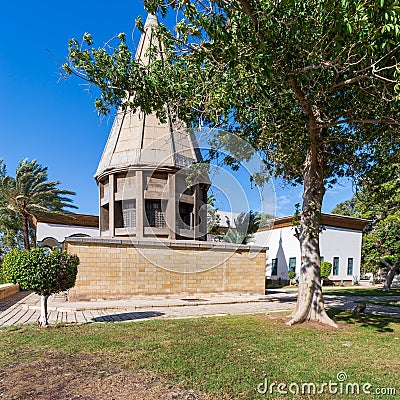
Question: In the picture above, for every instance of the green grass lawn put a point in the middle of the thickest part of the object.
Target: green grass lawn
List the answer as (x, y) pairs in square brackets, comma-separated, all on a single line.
[(224, 357), (360, 291), (394, 303)]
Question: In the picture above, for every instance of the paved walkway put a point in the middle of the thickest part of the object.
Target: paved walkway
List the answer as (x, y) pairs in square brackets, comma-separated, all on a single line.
[(24, 307)]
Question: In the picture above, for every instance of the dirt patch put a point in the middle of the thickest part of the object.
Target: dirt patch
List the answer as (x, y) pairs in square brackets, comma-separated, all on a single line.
[(84, 377), (283, 318)]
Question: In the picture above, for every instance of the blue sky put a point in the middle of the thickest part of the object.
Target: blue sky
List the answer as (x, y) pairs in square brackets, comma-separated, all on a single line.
[(54, 121)]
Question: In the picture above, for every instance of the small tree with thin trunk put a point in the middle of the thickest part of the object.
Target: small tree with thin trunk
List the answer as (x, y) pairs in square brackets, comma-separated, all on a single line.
[(43, 272)]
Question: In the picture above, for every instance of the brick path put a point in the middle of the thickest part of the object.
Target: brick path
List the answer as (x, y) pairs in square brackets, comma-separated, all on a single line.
[(24, 307)]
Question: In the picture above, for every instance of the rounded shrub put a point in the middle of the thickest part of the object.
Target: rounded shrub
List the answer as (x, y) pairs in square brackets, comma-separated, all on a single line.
[(326, 269), (43, 272), (291, 274)]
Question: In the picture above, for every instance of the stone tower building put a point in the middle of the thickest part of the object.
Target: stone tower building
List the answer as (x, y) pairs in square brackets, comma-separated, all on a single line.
[(146, 209), (142, 173)]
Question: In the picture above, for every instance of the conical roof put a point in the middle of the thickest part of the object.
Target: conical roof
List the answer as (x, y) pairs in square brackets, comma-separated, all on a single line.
[(139, 140)]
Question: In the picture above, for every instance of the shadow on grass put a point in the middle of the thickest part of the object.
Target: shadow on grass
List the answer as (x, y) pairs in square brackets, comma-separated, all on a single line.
[(386, 303), (380, 324)]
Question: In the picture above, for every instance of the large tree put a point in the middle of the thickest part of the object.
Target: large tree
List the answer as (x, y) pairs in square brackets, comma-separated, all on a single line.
[(25, 196), (312, 85)]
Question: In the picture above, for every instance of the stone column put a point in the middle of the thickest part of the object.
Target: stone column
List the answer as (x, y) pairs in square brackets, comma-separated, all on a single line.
[(99, 185), (139, 205), (171, 207), (200, 214), (196, 212), (203, 215), (111, 209)]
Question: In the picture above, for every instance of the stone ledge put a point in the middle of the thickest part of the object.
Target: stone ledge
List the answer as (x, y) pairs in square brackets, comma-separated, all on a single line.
[(133, 304), (8, 289), (126, 242)]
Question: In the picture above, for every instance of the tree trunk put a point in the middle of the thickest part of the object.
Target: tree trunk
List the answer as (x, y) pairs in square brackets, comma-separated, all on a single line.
[(310, 304), (25, 229), (34, 238), (392, 272), (43, 321)]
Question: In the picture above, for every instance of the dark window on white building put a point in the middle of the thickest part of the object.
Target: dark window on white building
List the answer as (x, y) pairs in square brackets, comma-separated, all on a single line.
[(335, 269), (350, 263), (274, 269), (292, 264)]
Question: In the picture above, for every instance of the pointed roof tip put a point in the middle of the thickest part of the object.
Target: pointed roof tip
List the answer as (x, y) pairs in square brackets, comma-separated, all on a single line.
[(151, 20)]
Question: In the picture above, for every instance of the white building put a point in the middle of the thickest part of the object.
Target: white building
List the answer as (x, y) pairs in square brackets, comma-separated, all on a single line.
[(340, 241), (52, 230), (340, 244)]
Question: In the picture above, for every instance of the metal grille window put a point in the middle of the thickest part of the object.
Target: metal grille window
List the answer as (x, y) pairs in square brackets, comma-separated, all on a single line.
[(274, 270), (159, 219), (155, 215), (350, 263), (335, 269), (129, 214)]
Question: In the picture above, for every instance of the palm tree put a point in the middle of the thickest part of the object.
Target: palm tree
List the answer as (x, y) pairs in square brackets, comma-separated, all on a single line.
[(246, 225), (30, 194), (10, 225)]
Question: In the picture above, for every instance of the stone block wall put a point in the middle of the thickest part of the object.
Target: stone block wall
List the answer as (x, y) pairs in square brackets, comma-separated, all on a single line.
[(7, 290), (114, 268)]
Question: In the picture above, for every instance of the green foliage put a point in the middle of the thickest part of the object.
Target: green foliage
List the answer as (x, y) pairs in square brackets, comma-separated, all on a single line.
[(347, 208), (2, 278), (44, 273), (213, 218), (10, 224), (380, 189), (265, 71), (382, 242), (326, 269), (266, 221), (246, 224), (28, 195), (369, 254), (391, 260), (378, 199), (387, 235), (291, 274), (313, 86)]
